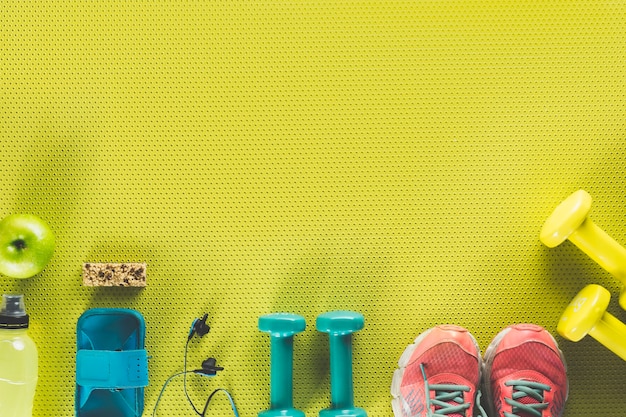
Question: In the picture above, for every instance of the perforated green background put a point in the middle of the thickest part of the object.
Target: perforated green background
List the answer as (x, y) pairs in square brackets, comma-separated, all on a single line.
[(394, 158)]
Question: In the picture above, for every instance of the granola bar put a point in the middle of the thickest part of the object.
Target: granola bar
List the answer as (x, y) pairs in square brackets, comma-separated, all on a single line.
[(114, 274)]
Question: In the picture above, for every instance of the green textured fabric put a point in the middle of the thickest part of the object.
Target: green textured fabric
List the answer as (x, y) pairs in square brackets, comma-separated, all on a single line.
[(394, 158)]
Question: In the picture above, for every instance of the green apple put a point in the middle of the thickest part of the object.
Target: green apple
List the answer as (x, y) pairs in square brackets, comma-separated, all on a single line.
[(26, 245)]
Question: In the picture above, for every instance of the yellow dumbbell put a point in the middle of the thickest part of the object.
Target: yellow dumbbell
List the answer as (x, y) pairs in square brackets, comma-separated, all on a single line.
[(569, 221), (586, 314)]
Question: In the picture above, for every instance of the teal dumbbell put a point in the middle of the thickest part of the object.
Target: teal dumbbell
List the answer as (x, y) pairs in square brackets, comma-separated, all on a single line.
[(340, 325), (281, 327)]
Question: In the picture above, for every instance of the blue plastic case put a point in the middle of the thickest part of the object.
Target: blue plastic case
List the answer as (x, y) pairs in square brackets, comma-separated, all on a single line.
[(111, 363)]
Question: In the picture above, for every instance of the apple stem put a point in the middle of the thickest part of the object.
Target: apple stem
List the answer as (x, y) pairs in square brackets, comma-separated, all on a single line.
[(19, 244)]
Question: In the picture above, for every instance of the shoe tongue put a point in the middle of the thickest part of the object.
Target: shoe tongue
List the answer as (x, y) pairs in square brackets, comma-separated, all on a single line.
[(526, 400), (457, 415), (451, 402)]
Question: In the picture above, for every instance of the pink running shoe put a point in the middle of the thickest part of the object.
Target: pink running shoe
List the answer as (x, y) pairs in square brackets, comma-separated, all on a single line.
[(438, 375), (525, 374)]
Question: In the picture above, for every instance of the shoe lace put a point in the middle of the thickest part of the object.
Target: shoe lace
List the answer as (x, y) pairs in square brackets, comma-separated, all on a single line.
[(527, 398), (448, 399)]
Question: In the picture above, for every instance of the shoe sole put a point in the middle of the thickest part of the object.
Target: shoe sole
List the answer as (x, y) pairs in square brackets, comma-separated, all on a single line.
[(403, 362), (490, 354)]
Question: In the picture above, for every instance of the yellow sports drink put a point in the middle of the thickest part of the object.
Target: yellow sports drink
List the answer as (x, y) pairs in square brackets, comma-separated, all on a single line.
[(18, 359)]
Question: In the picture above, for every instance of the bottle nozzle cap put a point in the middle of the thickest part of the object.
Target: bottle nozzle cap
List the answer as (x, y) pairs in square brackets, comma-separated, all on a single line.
[(13, 305), (13, 312)]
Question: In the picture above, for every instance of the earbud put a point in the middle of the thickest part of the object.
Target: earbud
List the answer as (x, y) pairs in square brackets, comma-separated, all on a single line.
[(209, 367), (199, 327)]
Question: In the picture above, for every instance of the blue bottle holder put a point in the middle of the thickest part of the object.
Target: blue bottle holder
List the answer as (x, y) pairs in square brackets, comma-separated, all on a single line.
[(111, 363)]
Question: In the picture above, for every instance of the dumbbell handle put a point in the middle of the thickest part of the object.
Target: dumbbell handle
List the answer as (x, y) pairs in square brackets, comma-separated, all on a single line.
[(341, 387), (611, 333), (281, 372), (601, 247)]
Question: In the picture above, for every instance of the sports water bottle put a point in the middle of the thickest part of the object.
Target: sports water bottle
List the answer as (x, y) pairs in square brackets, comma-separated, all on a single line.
[(18, 359)]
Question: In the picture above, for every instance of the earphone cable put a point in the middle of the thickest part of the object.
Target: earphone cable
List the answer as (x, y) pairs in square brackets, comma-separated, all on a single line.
[(185, 380), (165, 386), (230, 399)]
